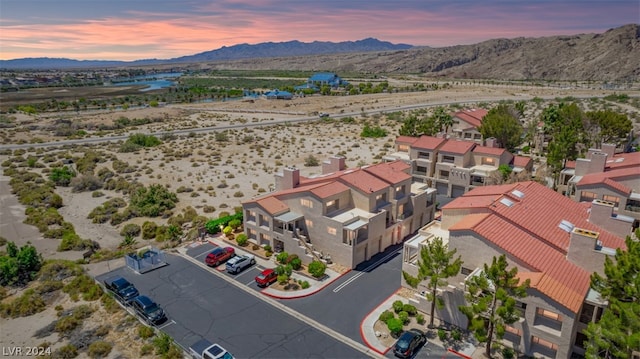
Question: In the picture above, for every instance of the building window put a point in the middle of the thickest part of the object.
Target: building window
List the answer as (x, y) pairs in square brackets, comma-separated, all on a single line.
[(586, 315), (444, 174), (306, 202), (586, 196), (613, 199), (308, 223), (332, 205), (332, 231), (403, 148), (549, 314), (381, 197), (580, 339), (423, 155), (448, 159), (521, 307), (488, 161), (544, 343), (253, 234), (512, 330), (465, 271), (420, 169)]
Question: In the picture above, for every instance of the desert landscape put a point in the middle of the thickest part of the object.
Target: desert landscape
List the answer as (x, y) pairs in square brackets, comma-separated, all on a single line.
[(214, 156)]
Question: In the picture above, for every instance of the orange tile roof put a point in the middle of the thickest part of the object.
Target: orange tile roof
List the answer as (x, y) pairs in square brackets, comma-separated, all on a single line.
[(390, 172), (489, 150), (521, 161), (471, 202), (486, 190), (329, 189), (272, 205), (469, 221), (609, 178), (428, 143), (364, 181), (406, 139), (472, 116), (624, 160), (570, 164), (457, 146)]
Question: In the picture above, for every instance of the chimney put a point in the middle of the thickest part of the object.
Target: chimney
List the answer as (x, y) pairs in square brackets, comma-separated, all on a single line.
[(288, 179), (609, 149), (585, 250), (334, 164), (602, 215), (491, 142), (598, 162)]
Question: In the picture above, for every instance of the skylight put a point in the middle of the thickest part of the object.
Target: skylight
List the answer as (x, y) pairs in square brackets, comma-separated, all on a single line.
[(506, 201), (517, 193), (566, 226)]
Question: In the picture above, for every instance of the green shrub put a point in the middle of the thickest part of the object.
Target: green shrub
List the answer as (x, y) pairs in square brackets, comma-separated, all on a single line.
[(66, 324), (398, 306), (213, 226), (130, 229), (296, 263), (374, 132), (311, 161), (317, 268), (62, 176), (99, 349), (385, 316), (162, 343), (149, 230), (267, 248), (282, 257), (66, 352), (19, 265), (410, 309), (145, 332), (242, 239), (235, 223), (227, 231), (152, 201), (404, 317), (456, 334), (29, 303), (420, 319), (86, 183), (85, 286), (146, 349), (395, 326), (109, 303), (283, 279), (305, 284), (508, 353), (442, 335), (138, 140)]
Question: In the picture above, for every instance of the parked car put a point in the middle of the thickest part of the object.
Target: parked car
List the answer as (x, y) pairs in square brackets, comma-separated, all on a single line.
[(266, 277), (323, 115), (409, 343), (219, 255), (149, 310), (238, 263), (122, 289), (204, 349)]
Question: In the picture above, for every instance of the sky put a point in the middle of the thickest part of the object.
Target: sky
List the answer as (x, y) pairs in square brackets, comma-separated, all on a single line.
[(144, 29)]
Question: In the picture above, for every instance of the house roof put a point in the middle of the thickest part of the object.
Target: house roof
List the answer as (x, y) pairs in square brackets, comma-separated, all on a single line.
[(329, 189), (272, 205), (471, 116), (610, 178), (457, 147), (494, 151), (521, 161), (623, 160), (323, 76), (364, 181), (391, 172), (428, 142), (523, 220), (406, 139)]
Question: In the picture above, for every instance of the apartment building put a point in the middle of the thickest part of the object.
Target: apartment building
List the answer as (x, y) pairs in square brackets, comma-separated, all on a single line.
[(607, 176), (344, 215), (553, 242), (453, 166), (466, 123)]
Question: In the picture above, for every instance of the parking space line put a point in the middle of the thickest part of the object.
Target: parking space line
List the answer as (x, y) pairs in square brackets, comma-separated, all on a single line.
[(250, 283), (205, 252), (167, 324), (366, 270)]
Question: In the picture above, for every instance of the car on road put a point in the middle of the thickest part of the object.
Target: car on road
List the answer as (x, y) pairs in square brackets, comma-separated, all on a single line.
[(149, 310), (239, 263), (323, 115), (219, 255), (266, 277), (409, 343), (122, 289)]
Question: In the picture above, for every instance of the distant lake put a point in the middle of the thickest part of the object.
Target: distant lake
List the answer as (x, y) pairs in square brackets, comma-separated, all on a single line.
[(152, 81)]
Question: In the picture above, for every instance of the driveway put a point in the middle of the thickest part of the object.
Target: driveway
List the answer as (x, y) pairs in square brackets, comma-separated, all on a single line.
[(202, 305)]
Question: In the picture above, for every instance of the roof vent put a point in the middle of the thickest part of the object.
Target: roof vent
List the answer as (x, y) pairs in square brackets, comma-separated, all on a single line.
[(566, 226), (598, 245), (506, 201), (517, 193)]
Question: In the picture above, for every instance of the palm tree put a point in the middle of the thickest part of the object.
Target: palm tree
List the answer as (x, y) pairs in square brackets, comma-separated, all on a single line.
[(443, 119)]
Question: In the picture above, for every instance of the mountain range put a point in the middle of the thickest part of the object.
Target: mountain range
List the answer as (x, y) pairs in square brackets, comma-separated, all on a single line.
[(611, 56)]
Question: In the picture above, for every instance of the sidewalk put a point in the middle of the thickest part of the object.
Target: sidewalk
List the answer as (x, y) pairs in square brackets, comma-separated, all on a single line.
[(315, 285)]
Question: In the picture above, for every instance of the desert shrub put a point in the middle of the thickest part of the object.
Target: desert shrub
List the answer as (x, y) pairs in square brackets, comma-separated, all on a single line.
[(296, 263), (59, 269), (99, 349), (374, 132), (48, 286), (404, 317), (66, 352), (311, 161), (109, 303), (138, 140), (267, 248), (283, 278), (86, 183), (145, 332), (97, 194), (19, 265), (385, 316), (183, 189), (242, 239), (149, 230), (152, 201), (130, 229), (420, 319), (238, 194), (305, 284), (29, 303), (282, 257), (395, 326), (410, 309), (456, 334), (62, 176), (317, 268), (442, 335), (162, 343), (67, 324), (398, 306), (146, 349), (508, 353), (268, 253), (208, 209), (83, 285), (71, 241), (235, 223)]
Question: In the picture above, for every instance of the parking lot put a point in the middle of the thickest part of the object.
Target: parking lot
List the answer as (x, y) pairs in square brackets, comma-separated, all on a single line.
[(200, 304)]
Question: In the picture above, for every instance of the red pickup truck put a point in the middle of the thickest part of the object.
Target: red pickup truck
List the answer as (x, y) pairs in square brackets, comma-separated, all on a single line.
[(219, 255)]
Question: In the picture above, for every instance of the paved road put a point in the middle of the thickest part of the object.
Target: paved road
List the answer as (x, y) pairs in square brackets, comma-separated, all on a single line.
[(200, 304)]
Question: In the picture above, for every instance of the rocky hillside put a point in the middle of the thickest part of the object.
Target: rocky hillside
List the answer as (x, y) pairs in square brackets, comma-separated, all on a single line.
[(610, 56)]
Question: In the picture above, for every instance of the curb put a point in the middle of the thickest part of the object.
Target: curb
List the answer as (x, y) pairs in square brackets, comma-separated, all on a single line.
[(274, 295), (458, 354), (364, 337)]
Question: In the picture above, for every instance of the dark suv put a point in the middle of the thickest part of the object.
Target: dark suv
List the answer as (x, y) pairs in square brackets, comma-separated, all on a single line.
[(122, 289), (409, 343), (148, 310)]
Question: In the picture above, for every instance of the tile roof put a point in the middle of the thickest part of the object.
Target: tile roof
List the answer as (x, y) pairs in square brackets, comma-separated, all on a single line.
[(272, 205), (521, 161), (390, 172), (428, 142), (624, 160), (457, 146), (471, 201), (472, 116), (406, 139), (570, 164), (609, 178), (364, 181), (489, 150), (329, 189)]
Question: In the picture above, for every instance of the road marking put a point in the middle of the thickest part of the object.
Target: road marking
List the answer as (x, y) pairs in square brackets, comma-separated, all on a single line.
[(364, 271), (205, 252), (167, 324), (250, 283)]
